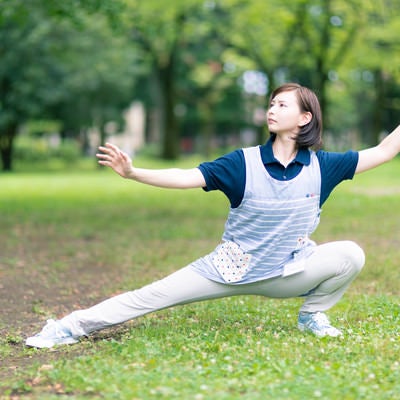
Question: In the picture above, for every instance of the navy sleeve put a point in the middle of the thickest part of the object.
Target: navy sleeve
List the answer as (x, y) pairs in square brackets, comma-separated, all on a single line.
[(227, 174), (335, 168)]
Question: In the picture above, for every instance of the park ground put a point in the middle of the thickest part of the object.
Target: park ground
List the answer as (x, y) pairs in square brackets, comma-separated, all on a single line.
[(69, 240)]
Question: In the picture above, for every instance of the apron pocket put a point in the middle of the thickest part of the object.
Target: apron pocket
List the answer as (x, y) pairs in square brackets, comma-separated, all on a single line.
[(231, 261)]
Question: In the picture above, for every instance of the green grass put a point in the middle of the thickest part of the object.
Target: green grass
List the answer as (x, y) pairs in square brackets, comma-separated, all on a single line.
[(90, 234)]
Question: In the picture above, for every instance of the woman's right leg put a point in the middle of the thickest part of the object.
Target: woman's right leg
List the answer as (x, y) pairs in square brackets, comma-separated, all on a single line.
[(183, 286)]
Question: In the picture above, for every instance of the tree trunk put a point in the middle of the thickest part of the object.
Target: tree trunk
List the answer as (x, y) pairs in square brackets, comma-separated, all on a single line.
[(170, 139), (208, 127), (322, 59), (7, 146), (378, 113), (166, 72)]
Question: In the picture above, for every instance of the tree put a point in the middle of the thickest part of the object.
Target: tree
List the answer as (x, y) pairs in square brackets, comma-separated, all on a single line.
[(26, 72), (45, 73), (301, 40), (206, 84), (159, 30), (372, 70), (100, 68), (182, 44)]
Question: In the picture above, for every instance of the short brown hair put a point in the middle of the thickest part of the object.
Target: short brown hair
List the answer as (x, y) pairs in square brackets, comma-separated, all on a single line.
[(310, 135)]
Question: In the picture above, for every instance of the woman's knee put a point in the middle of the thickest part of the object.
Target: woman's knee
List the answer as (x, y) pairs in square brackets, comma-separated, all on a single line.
[(354, 254)]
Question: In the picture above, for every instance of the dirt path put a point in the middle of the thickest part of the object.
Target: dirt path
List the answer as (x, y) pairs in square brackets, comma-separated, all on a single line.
[(29, 298)]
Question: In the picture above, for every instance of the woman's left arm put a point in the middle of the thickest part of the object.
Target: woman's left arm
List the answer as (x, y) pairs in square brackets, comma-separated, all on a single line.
[(383, 152)]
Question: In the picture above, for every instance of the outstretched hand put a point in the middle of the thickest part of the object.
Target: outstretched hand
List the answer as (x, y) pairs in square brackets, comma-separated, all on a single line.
[(119, 161)]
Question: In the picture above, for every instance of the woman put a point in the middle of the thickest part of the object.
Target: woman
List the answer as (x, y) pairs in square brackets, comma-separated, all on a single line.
[(275, 191)]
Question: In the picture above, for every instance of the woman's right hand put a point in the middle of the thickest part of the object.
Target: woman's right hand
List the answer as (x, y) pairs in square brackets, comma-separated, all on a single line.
[(113, 157)]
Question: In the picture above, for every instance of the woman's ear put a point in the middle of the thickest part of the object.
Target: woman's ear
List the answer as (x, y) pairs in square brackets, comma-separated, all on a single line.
[(305, 118)]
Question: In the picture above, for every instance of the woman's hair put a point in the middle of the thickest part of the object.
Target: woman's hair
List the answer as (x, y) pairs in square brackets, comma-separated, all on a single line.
[(310, 135)]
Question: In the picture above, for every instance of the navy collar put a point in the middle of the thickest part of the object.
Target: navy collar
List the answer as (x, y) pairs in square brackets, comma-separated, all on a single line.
[(267, 154)]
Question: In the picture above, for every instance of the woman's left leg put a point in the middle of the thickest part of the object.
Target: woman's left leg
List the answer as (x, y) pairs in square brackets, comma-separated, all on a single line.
[(327, 274), (338, 264)]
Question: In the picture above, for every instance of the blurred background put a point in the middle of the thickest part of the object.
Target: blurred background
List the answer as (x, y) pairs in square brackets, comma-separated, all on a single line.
[(177, 77)]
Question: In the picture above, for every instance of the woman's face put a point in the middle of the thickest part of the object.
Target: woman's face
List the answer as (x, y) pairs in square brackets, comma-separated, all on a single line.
[(284, 114)]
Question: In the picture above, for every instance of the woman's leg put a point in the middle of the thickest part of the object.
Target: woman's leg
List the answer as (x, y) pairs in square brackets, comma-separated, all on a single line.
[(338, 264), (328, 272), (183, 286)]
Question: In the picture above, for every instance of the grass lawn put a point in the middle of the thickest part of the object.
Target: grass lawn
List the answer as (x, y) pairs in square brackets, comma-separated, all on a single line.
[(70, 239)]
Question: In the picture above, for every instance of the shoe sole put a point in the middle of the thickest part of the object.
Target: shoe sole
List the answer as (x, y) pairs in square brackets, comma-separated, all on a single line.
[(47, 344), (304, 328)]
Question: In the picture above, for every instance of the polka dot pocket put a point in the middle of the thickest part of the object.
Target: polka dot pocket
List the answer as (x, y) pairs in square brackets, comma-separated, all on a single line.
[(231, 261)]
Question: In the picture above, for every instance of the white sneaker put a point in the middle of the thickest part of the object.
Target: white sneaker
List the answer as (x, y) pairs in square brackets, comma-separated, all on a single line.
[(317, 323), (53, 333)]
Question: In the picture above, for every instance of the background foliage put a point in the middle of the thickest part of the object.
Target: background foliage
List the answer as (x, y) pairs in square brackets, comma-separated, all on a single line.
[(202, 69)]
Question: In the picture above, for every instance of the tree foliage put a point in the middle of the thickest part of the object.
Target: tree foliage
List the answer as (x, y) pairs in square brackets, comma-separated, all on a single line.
[(58, 65), (81, 62)]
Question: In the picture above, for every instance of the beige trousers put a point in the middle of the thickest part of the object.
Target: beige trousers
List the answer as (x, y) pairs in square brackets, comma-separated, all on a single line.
[(328, 272)]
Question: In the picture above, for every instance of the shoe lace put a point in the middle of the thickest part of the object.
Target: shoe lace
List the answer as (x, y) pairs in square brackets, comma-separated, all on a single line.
[(52, 328), (321, 319)]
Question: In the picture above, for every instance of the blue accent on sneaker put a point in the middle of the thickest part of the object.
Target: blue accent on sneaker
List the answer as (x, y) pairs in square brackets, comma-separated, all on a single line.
[(317, 323), (53, 333)]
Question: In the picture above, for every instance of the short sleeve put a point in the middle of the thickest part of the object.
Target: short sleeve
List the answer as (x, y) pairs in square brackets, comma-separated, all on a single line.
[(335, 168), (227, 174)]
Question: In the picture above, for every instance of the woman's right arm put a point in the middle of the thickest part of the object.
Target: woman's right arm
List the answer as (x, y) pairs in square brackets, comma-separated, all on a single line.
[(173, 178)]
